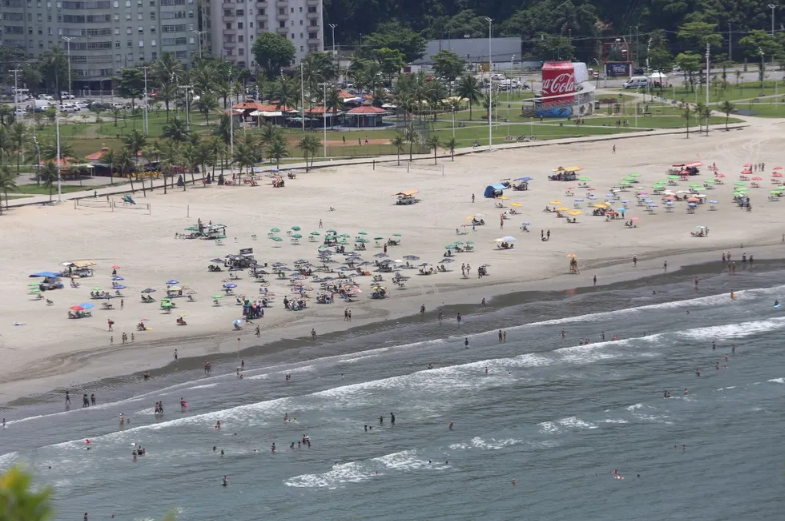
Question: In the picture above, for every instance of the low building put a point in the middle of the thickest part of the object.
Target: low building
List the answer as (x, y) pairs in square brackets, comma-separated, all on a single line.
[(474, 51)]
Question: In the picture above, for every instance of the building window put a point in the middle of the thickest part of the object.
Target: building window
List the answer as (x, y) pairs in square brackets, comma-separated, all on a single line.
[(129, 43), (282, 24), (116, 45), (242, 51), (312, 9), (301, 22), (292, 10), (281, 10), (301, 9), (261, 11), (117, 30), (239, 25), (141, 30), (240, 38), (141, 43), (292, 35), (228, 25), (313, 36), (250, 24), (240, 12), (152, 15), (140, 16), (128, 17), (128, 30), (154, 56), (313, 23), (228, 12), (152, 43)]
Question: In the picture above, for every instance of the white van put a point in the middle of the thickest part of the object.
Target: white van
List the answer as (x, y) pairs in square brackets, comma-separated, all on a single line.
[(636, 82)]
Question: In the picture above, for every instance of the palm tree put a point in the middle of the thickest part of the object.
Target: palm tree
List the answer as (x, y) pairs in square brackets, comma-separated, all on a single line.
[(6, 112), (435, 92), (7, 184), (191, 158), (49, 175), (223, 90), (399, 142), (124, 163), (286, 92), (433, 144), (698, 112), (333, 103), (706, 114), (277, 150), (469, 89), (451, 144), (171, 156), (245, 156), (167, 68), (5, 143), (309, 145), (108, 158), (727, 107), (176, 130), (204, 155), (167, 94), (205, 104), (687, 114), (18, 134), (410, 136)]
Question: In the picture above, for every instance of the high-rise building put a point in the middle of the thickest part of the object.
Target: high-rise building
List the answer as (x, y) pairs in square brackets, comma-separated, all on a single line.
[(233, 25), (104, 36)]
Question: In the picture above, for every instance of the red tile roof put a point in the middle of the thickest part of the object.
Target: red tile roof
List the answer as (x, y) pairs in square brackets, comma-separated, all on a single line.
[(367, 110)]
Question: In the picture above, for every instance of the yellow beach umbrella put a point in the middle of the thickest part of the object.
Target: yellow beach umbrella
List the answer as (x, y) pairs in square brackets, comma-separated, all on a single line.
[(517, 205), (562, 209), (503, 198), (601, 205), (555, 202), (574, 212)]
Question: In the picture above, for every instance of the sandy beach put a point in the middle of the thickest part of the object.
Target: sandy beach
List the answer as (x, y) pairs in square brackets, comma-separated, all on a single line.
[(46, 350)]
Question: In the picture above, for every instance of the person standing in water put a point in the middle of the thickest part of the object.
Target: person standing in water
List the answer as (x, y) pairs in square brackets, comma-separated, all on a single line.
[(466, 342), (392, 418)]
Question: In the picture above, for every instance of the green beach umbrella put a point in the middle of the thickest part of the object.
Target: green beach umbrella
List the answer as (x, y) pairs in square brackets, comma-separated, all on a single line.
[(33, 284), (35, 291), (296, 228), (775, 192), (344, 236), (97, 288), (166, 305), (275, 230), (361, 239), (634, 174), (192, 229), (450, 247), (469, 242), (458, 242), (218, 296), (315, 233), (740, 183), (673, 177), (378, 238), (276, 238), (362, 233), (297, 236), (343, 241), (696, 185), (332, 231), (584, 178)]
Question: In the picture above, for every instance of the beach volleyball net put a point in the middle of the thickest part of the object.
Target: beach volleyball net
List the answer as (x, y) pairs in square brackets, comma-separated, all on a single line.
[(422, 168), (93, 203)]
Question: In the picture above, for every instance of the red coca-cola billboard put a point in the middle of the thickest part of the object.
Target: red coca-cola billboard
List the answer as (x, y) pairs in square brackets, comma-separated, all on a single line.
[(558, 83)]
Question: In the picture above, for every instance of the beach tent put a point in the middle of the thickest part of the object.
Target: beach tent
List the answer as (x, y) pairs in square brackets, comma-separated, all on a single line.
[(492, 191)]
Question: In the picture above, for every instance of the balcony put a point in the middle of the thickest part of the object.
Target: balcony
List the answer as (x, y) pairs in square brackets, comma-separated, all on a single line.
[(311, 3), (313, 41), (262, 5), (229, 45), (282, 3), (314, 16), (262, 17), (284, 31), (284, 16)]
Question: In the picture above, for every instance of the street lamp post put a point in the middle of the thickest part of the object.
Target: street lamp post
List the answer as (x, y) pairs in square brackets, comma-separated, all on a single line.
[(324, 119), (333, 26), (302, 94), (509, 88), (730, 43), (773, 7), (16, 92), (146, 117), (187, 89), (490, 84), (708, 71), (68, 42), (57, 130)]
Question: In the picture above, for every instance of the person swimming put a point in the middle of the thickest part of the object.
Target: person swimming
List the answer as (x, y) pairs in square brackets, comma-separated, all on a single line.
[(776, 303), (732, 295), (225, 481), (218, 425)]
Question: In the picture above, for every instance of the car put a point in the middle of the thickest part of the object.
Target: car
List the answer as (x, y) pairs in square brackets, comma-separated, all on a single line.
[(69, 107), (66, 95), (84, 104), (45, 97)]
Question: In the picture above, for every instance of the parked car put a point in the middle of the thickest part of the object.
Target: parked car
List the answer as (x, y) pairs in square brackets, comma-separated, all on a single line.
[(66, 95), (45, 97), (636, 82), (69, 107)]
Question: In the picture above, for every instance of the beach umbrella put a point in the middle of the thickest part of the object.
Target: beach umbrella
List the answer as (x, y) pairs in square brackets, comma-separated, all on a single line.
[(579, 200), (396, 235), (378, 238), (697, 185), (97, 288), (362, 233), (411, 257), (116, 267), (230, 285), (183, 314), (217, 296), (714, 201), (344, 236), (746, 172), (447, 260), (33, 284), (45, 274), (777, 168), (275, 230), (34, 291), (297, 236), (119, 286), (296, 228), (509, 238), (332, 230), (562, 209), (148, 290), (458, 242), (361, 240), (450, 247), (592, 197), (555, 201), (574, 212), (469, 242), (381, 255), (776, 174), (673, 177), (775, 192), (77, 308), (571, 255), (635, 219), (276, 238), (315, 233), (738, 183), (693, 200), (517, 205), (692, 205), (173, 281), (167, 305), (669, 203), (584, 178), (757, 178), (117, 278)]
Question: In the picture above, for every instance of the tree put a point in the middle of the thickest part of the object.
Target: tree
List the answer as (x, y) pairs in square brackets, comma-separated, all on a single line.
[(246, 155), (170, 155), (391, 62), (395, 35), (124, 163), (433, 144), (660, 60), (6, 114), (700, 107), (411, 136), (167, 69), (690, 63), (130, 84), (223, 131), (272, 52), (448, 65), (399, 142), (7, 184), (54, 68), (310, 146), (277, 150), (469, 89), (451, 144), (705, 113), (555, 47), (333, 103), (49, 175), (757, 42), (727, 107), (286, 92), (700, 33), (19, 501), (205, 104), (166, 95), (18, 136), (686, 114), (176, 130)]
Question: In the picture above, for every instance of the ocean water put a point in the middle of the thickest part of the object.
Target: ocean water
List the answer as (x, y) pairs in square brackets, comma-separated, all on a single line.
[(557, 417)]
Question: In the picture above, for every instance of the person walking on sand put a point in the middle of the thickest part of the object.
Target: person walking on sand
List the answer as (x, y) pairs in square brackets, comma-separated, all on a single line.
[(595, 280), (634, 261), (614, 149), (472, 197), (320, 224), (313, 334)]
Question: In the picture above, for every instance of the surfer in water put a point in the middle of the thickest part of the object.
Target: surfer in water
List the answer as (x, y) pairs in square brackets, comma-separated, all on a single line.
[(776, 303)]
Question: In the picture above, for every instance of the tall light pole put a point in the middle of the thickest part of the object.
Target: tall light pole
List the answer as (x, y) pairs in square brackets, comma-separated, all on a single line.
[(730, 44), (16, 92), (324, 119), (773, 7), (302, 94), (69, 38), (490, 85), (708, 73), (57, 130), (231, 126), (509, 88), (146, 117), (333, 26), (187, 89)]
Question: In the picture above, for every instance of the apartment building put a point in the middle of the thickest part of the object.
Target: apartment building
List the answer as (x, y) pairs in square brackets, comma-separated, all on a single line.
[(103, 35), (234, 24)]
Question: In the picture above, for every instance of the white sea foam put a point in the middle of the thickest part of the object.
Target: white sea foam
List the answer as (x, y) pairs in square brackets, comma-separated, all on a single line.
[(492, 444), (548, 427), (576, 423), (739, 330), (337, 476), (615, 420), (205, 386), (778, 380)]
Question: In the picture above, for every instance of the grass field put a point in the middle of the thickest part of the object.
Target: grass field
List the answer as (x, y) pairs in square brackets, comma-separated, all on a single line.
[(30, 190)]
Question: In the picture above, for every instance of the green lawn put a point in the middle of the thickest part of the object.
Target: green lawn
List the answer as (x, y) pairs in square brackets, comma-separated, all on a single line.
[(42, 190)]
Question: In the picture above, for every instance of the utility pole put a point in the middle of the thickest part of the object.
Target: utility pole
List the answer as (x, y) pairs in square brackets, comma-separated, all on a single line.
[(333, 26), (509, 88), (490, 85), (773, 7), (16, 91), (187, 89), (302, 94), (68, 41), (324, 119), (146, 117), (57, 127), (199, 34)]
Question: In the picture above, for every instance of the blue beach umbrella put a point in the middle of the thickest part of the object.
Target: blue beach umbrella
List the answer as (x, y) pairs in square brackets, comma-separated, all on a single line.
[(173, 281)]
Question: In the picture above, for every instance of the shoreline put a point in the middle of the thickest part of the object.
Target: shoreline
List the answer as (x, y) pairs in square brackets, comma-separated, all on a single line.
[(499, 295)]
